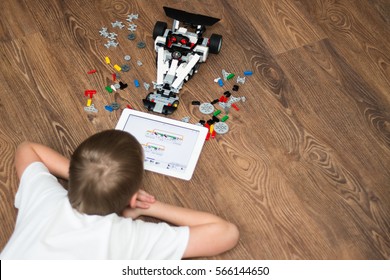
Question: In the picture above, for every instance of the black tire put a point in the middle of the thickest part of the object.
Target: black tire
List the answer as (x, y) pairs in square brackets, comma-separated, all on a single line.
[(215, 43), (175, 103), (159, 29), (148, 96)]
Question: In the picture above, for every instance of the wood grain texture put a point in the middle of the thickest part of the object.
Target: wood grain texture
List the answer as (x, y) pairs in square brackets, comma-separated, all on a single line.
[(304, 169)]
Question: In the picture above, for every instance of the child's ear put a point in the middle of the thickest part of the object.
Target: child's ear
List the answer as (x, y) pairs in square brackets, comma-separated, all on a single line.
[(133, 200)]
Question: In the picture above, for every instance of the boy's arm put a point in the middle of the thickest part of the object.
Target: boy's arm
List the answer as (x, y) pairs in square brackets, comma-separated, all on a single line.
[(29, 152), (209, 234)]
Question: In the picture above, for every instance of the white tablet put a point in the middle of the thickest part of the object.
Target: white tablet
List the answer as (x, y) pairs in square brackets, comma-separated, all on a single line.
[(171, 147)]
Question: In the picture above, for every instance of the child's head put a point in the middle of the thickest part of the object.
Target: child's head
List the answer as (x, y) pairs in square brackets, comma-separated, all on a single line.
[(106, 170)]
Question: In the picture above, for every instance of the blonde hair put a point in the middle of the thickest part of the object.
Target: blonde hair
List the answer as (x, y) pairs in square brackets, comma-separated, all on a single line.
[(106, 170)]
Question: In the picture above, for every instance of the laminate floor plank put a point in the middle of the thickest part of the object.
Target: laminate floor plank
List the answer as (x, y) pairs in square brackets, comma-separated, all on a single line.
[(361, 36), (327, 127)]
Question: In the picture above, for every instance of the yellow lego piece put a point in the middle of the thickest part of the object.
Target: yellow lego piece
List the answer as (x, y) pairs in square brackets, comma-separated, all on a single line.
[(89, 102), (108, 61), (117, 67)]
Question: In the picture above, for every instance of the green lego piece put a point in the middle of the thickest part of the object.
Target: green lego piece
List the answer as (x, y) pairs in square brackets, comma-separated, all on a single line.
[(230, 76), (216, 113), (224, 119), (109, 89)]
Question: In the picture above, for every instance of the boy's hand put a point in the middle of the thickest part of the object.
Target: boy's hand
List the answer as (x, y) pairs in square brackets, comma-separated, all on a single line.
[(142, 201)]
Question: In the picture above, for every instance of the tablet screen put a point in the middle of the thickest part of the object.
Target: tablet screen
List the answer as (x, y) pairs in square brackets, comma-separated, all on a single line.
[(170, 147)]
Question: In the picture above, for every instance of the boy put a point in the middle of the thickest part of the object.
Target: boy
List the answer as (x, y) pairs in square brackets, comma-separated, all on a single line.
[(96, 217)]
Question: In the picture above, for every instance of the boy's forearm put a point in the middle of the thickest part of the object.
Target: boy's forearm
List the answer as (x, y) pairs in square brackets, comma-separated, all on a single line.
[(178, 215), (57, 164)]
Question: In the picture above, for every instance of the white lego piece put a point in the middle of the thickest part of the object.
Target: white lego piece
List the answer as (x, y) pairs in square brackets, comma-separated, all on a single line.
[(240, 80), (170, 76), (159, 107), (91, 109), (182, 30), (131, 17), (132, 27), (181, 76), (181, 67), (160, 66), (112, 36), (173, 68), (204, 50), (186, 119), (233, 99), (225, 74), (111, 43), (103, 32), (117, 24), (146, 85), (225, 106), (175, 25), (160, 41)]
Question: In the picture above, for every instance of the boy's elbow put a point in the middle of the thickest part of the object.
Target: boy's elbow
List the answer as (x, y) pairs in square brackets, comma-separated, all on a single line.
[(23, 145), (212, 239), (232, 234)]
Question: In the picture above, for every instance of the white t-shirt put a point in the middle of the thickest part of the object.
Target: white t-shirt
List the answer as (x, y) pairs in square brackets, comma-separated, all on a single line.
[(47, 227)]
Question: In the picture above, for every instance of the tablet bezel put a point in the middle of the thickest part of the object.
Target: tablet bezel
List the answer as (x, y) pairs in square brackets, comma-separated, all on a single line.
[(197, 148)]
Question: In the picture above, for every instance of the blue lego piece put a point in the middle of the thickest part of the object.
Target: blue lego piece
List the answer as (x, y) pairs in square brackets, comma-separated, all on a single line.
[(109, 108)]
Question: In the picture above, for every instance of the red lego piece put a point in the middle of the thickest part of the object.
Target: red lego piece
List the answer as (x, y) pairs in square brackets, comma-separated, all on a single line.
[(223, 98), (90, 92), (91, 71), (235, 106)]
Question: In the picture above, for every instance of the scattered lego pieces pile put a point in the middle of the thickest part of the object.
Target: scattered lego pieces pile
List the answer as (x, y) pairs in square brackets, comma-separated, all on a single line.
[(215, 124), (116, 84), (112, 36), (228, 76), (90, 108), (113, 87), (119, 85)]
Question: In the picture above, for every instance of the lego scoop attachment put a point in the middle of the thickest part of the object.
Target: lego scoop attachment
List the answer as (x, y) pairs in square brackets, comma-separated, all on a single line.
[(190, 18)]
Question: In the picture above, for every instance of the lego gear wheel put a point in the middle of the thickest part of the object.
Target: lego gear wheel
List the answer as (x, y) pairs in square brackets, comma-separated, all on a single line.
[(206, 108), (221, 127)]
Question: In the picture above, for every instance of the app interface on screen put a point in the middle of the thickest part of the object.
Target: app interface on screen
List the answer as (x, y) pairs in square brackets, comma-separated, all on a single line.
[(165, 145)]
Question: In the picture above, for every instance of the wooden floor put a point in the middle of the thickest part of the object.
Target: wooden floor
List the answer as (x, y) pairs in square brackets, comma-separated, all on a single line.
[(304, 171)]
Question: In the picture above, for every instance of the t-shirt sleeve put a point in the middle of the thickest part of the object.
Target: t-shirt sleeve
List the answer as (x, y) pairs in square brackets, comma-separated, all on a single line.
[(150, 241), (38, 187)]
